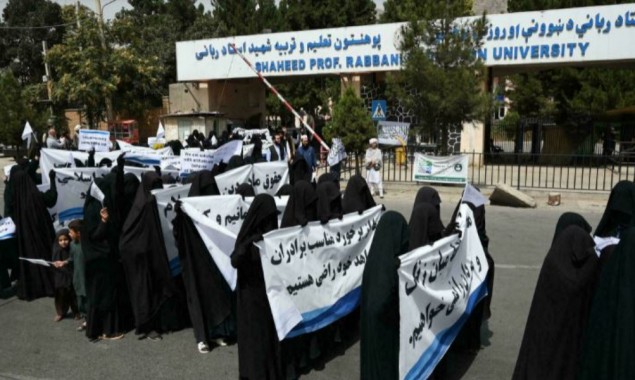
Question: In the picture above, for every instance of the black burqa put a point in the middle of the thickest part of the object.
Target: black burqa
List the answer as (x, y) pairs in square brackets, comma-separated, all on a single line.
[(425, 226), (609, 341), (379, 336), (209, 297), (329, 204), (258, 345), (299, 170), (429, 195), (106, 293), (145, 262), (203, 183), (620, 210), (234, 162), (34, 233), (301, 207), (557, 320), (357, 195), (245, 190)]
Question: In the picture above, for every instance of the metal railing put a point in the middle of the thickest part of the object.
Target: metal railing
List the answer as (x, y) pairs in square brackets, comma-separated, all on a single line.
[(520, 170)]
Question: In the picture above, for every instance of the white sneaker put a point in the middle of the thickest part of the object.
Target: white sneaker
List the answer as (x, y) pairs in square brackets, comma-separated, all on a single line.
[(203, 348), (220, 342)]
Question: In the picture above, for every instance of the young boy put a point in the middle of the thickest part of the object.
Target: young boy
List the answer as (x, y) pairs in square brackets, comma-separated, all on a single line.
[(77, 260)]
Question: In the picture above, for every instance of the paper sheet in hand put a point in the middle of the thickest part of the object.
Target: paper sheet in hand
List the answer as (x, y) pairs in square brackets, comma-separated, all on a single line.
[(37, 261), (96, 193)]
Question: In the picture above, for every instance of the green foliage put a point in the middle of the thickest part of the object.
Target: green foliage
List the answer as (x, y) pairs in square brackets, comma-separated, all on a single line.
[(413, 10), (15, 110), (21, 49), (440, 65), (241, 17), (87, 74), (352, 123), (570, 93)]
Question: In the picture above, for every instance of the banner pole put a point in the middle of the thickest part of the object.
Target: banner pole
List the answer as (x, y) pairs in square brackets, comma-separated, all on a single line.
[(283, 100)]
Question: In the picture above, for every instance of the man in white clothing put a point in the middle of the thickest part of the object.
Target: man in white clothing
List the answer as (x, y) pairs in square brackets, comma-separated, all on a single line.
[(373, 162), (52, 142)]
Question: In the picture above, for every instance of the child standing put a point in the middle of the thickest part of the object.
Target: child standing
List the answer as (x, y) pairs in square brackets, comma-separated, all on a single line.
[(77, 261), (63, 279)]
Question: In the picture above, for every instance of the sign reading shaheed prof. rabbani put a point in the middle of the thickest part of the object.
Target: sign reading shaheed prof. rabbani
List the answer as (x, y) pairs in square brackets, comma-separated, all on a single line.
[(439, 285), (94, 139), (313, 274), (449, 169)]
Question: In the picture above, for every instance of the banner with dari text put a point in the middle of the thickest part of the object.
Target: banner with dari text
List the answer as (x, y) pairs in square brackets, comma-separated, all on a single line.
[(314, 273), (265, 177), (166, 199), (439, 285)]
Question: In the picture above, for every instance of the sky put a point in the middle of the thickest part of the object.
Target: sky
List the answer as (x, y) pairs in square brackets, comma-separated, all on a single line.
[(113, 6)]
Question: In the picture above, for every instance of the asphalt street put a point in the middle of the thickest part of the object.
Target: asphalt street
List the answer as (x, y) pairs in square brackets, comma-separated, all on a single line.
[(32, 346)]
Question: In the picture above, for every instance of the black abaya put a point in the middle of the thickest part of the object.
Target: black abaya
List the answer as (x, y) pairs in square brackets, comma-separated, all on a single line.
[(379, 337), (552, 341), (258, 345), (329, 204), (301, 207), (357, 196)]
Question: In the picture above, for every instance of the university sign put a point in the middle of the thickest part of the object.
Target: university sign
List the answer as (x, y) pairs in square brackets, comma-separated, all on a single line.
[(589, 34)]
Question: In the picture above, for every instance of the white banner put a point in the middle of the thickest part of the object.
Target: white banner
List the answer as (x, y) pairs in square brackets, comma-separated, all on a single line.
[(218, 220), (56, 158), (247, 134), (392, 133), (139, 171), (94, 138), (314, 273), (171, 162), (7, 228), (194, 159), (439, 285), (450, 169), (165, 204), (265, 177), (145, 156), (73, 185)]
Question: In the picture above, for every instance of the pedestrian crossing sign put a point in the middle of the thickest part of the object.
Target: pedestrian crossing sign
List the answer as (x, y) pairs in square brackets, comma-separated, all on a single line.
[(378, 109)]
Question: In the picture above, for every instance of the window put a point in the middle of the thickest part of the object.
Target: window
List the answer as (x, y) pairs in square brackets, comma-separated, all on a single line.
[(185, 128)]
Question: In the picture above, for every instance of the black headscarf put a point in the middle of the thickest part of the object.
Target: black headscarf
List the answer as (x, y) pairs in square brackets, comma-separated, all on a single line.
[(203, 183), (145, 260), (301, 207), (256, 154), (9, 200), (258, 345), (557, 319), (427, 194), (379, 335), (357, 196), (286, 189), (246, 190), (234, 162), (329, 205), (620, 210), (425, 226), (571, 219), (34, 233), (610, 337), (299, 170)]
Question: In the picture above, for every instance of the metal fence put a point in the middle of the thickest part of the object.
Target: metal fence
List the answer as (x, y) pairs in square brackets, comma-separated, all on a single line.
[(520, 170)]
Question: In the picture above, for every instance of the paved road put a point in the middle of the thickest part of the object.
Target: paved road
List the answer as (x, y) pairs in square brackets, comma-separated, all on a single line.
[(32, 346)]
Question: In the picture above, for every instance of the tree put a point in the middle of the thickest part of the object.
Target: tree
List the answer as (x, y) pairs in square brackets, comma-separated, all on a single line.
[(242, 17), (15, 109), (21, 46), (352, 123), (87, 74), (440, 65), (409, 10)]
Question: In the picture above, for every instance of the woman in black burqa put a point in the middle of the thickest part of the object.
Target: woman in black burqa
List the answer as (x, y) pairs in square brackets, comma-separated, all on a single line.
[(204, 183), (109, 314), (557, 320), (357, 195), (209, 297), (34, 233), (329, 204), (258, 345), (379, 336), (299, 170), (301, 207), (155, 299), (425, 225), (607, 350), (618, 216)]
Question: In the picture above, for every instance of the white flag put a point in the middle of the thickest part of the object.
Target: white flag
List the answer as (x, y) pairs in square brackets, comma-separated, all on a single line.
[(472, 195), (27, 132), (96, 192), (160, 131)]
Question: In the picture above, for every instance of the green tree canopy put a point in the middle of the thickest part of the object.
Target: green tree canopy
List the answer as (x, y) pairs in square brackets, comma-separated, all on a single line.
[(21, 45), (352, 123), (87, 75), (441, 67), (15, 110)]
